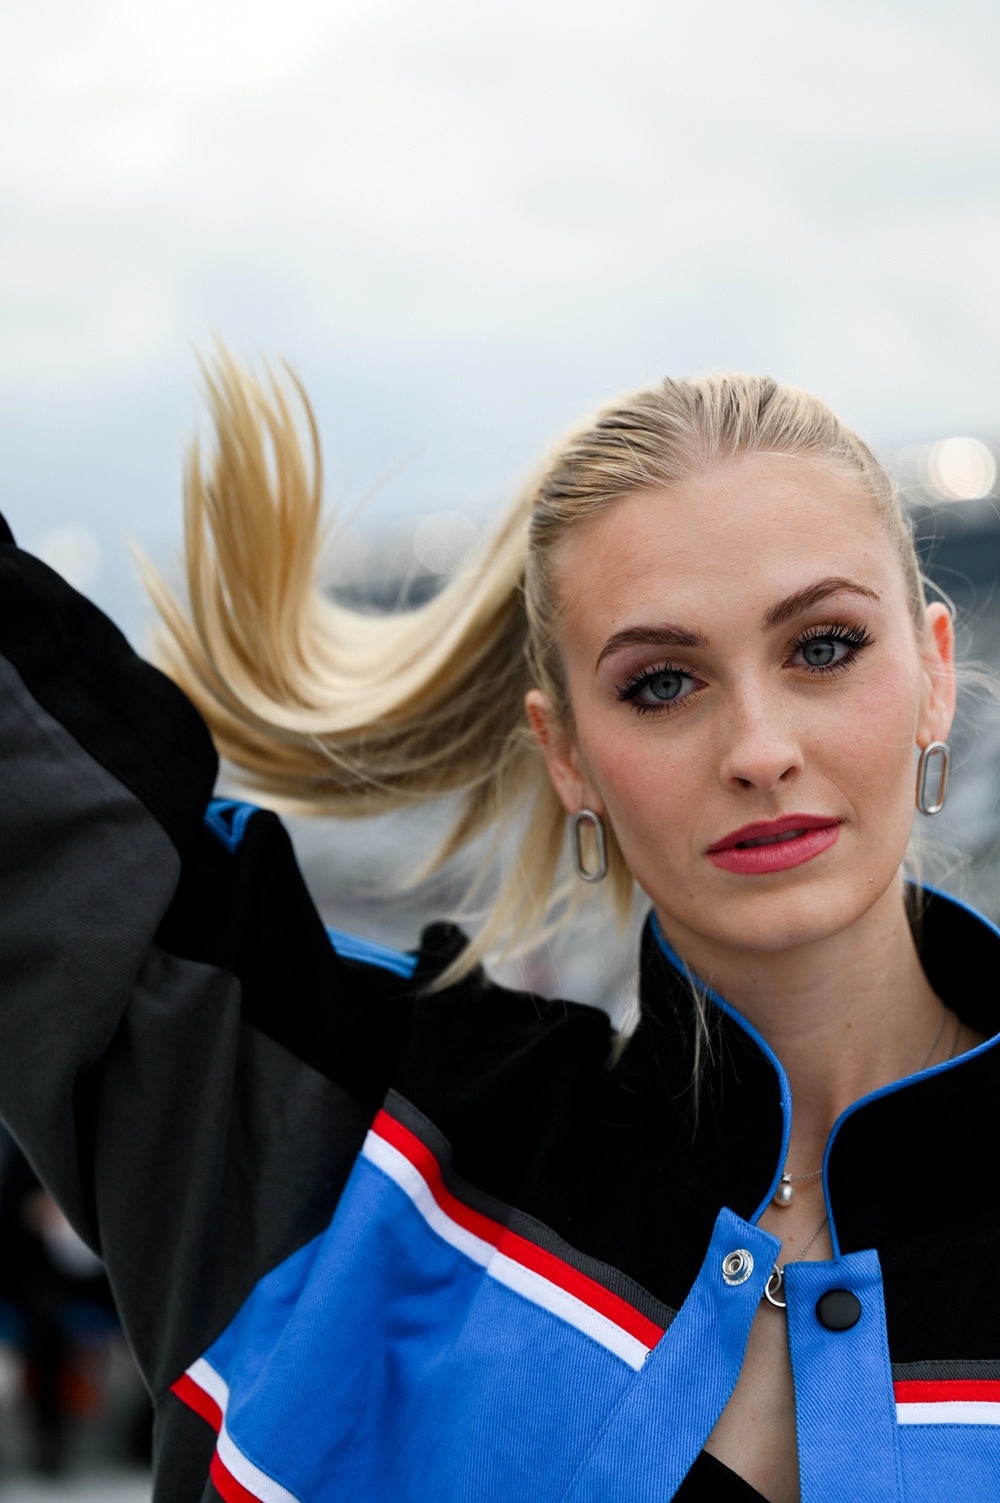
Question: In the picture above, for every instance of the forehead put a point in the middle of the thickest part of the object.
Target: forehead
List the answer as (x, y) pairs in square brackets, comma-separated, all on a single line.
[(723, 546)]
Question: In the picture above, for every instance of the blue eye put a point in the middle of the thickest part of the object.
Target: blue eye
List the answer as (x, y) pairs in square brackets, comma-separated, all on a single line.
[(664, 686), (835, 647), (822, 652), (659, 689)]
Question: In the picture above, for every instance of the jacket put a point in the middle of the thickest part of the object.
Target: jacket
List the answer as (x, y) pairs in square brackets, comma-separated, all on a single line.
[(377, 1241)]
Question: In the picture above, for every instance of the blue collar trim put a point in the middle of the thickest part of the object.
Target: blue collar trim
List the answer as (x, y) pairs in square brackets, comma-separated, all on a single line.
[(898, 1085), (679, 966)]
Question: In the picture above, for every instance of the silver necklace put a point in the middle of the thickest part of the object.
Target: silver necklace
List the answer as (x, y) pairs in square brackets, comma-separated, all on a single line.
[(772, 1289), (785, 1192)]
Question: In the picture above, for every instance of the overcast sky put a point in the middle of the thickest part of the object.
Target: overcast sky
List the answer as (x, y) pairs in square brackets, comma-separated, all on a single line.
[(466, 223)]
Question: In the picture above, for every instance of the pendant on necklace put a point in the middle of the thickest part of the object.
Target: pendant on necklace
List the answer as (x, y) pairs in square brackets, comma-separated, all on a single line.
[(785, 1193)]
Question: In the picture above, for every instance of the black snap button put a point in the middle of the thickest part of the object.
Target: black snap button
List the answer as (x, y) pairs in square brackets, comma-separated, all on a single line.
[(838, 1309)]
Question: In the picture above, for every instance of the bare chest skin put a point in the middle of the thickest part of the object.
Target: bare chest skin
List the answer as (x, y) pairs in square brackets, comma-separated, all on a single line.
[(755, 1434)]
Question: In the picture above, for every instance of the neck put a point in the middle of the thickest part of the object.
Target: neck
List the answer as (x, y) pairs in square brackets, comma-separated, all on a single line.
[(844, 1015)]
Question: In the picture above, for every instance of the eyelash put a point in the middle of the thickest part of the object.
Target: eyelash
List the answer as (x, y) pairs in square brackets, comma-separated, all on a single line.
[(854, 637), (633, 687)]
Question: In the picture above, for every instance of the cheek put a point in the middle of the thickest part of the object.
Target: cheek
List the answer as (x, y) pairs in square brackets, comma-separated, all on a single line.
[(870, 750), (654, 785)]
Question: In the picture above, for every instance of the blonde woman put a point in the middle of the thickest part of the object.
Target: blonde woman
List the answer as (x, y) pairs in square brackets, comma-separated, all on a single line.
[(381, 1229)]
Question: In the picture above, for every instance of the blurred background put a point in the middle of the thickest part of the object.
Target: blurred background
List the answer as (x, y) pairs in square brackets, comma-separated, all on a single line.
[(464, 226)]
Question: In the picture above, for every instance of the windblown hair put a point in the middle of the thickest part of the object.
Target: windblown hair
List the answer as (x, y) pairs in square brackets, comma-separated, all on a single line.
[(325, 710)]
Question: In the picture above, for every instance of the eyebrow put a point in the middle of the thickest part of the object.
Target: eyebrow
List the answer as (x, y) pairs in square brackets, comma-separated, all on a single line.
[(779, 614), (803, 600), (650, 636)]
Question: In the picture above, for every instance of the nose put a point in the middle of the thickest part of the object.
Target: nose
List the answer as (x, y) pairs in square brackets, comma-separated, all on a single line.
[(760, 750)]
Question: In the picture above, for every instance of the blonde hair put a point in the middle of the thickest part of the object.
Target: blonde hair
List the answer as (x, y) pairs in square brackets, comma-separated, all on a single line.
[(327, 711)]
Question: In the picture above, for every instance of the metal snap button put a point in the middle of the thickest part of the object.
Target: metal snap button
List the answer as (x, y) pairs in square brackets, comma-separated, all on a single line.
[(838, 1309), (737, 1266)]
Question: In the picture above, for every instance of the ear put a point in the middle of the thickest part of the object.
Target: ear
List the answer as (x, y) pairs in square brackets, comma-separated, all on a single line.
[(937, 710), (560, 753)]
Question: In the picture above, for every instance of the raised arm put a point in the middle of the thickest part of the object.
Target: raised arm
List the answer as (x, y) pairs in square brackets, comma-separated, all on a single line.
[(184, 1057)]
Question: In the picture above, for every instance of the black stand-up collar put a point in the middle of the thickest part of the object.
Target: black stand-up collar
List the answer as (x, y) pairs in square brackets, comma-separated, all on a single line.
[(912, 1160)]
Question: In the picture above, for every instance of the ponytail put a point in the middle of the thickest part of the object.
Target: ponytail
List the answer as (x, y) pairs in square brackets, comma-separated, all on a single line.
[(323, 710)]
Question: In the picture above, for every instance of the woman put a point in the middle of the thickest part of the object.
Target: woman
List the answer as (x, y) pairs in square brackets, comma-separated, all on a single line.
[(382, 1229)]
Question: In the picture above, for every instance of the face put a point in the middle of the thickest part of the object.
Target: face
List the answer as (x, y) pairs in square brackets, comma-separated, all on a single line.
[(747, 688)]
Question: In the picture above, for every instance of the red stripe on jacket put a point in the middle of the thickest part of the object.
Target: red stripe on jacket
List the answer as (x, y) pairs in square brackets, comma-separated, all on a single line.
[(188, 1391), (226, 1484), (513, 1246), (948, 1390)]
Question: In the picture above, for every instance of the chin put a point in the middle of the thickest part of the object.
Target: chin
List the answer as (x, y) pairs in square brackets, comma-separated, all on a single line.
[(790, 915)]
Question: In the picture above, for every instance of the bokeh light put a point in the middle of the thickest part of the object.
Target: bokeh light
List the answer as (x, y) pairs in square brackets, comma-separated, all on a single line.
[(961, 469)]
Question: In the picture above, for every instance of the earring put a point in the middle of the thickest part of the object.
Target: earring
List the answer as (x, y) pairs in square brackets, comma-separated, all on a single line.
[(940, 750), (581, 817)]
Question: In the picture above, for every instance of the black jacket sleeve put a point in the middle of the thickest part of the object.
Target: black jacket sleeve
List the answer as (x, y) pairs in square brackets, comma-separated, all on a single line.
[(185, 1060)]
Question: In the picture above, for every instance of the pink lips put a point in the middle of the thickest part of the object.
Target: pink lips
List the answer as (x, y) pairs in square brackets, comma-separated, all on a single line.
[(775, 845)]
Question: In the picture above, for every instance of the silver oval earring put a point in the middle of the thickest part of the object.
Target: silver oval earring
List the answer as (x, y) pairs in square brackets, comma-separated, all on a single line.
[(580, 818), (925, 771)]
